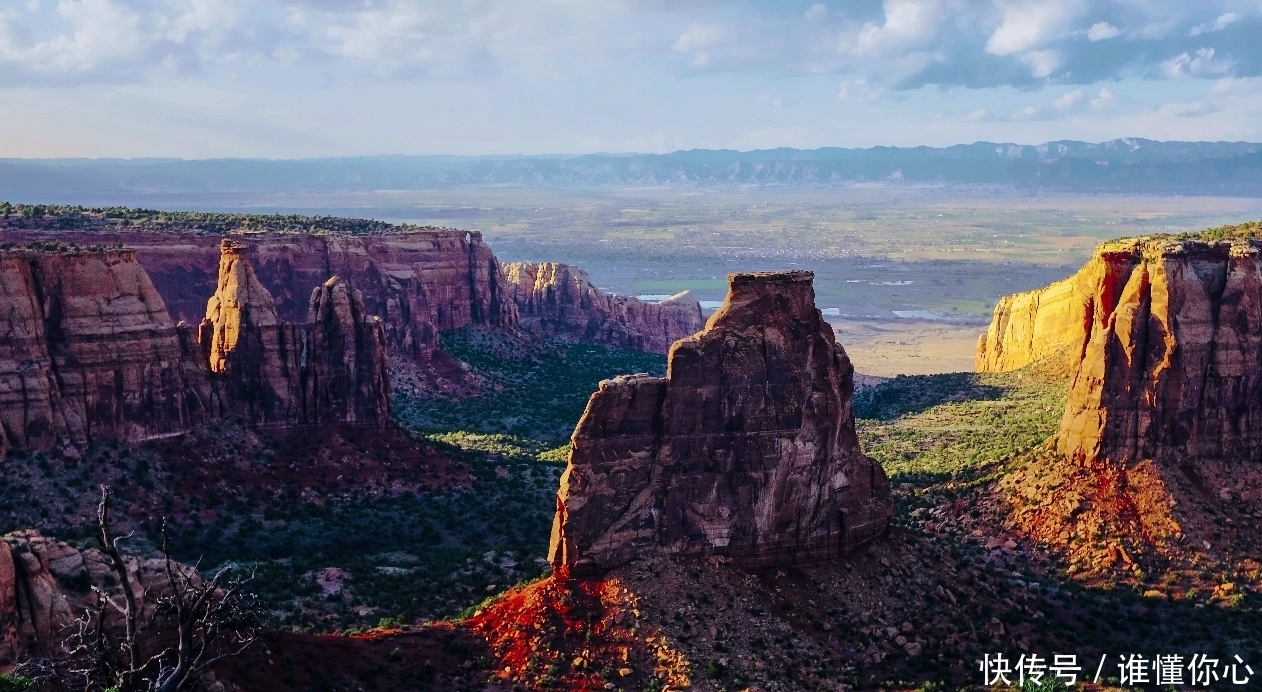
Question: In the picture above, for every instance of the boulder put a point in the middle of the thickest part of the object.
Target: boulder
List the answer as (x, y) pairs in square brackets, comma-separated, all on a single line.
[(46, 584), (746, 449)]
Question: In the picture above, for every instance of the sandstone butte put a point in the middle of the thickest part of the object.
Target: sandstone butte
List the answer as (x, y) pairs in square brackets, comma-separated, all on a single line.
[(746, 449), (1162, 427), (558, 301), (332, 368), (89, 352), (1163, 339)]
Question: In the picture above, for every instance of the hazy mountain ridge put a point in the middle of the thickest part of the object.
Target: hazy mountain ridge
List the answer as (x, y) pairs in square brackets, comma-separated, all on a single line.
[(1130, 165)]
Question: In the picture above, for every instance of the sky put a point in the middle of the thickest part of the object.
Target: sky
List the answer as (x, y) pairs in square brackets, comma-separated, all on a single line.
[(315, 78)]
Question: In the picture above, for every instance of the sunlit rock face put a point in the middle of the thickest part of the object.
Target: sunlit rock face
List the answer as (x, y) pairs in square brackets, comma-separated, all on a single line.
[(1163, 342), (559, 301), (746, 449), (1171, 369)]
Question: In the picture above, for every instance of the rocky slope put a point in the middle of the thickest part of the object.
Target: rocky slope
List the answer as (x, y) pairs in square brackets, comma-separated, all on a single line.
[(746, 449), (45, 586), (559, 301), (89, 352), (332, 368)]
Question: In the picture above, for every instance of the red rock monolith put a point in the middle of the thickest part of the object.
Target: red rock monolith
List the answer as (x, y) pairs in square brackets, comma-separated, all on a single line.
[(746, 449)]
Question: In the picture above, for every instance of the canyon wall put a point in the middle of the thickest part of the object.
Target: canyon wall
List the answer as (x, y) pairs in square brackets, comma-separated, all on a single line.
[(1172, 366), (418, 281), (558, 301), (1164, 344), (747, 448), (1161, 437), (89, 352), (1034, 326)]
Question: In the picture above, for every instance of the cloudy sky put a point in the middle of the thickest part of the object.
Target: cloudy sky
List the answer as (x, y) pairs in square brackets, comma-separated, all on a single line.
[(300, 78)]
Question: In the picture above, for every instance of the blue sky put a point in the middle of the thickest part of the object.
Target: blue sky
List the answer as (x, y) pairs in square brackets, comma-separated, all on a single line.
[(300, 78)]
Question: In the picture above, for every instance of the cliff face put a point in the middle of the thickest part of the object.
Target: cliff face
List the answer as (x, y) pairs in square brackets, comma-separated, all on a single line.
[(1030, 327), (332, 368), (1163, 339), (559, 301), (89, 352), (418, 282), (747, 447), (1172, 367), (1162, 428)]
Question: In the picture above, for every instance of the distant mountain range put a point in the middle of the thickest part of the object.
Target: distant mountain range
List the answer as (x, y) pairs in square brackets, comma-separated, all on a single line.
[(1121, 165)]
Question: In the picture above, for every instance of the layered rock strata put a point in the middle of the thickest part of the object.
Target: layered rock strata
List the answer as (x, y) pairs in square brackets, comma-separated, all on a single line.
[(746, 449), (332, 368), (1160, 441), (1031, 327), (559, 301), (419, 281), (89, 352), (1163, 338)]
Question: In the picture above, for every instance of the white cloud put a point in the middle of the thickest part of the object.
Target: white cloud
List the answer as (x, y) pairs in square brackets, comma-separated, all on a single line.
[(1070, 99), (817, 11), (1042, 63), (1201, 64), (697, 37), (97, 31), (1027, 113), (1101, 31), (1228, 85), (1222, 22), (1028, 25), (1195, 109), (907, 23), (1104, 99)]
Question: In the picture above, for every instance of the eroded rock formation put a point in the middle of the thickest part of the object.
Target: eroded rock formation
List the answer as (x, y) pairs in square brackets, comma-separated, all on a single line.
[(419, 281), (559, 301), (332, 368), (1162, 428), (89, 352), (747, 447), (1163, 338), (1034, 326)]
